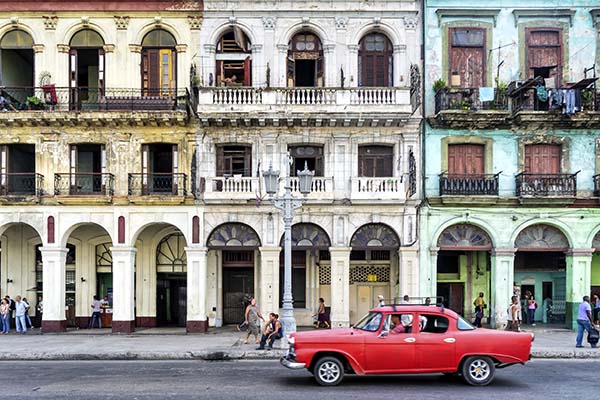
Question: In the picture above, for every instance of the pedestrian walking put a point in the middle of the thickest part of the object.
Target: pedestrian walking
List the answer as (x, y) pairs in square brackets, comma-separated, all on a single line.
[(596, 304), (11, 304), (273, 331), (27, 318), (5, 316), (322, 317), (584, 321), (480, 305), (20, 308), (96, 313), (531, 307), (252, 318), (513, 318), (39, 311), (380, 301)]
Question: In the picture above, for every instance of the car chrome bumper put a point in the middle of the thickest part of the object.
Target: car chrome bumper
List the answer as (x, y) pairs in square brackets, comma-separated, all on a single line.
[(291, 364)]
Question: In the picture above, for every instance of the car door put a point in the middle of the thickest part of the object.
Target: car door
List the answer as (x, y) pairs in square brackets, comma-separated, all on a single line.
[(436, 343), (390, 353)]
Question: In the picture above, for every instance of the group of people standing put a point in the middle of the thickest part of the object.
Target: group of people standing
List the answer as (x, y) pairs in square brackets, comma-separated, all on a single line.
[(271, 331), (19, 307)]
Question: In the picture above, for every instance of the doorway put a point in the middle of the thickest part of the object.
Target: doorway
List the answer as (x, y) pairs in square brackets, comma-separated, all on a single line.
[(171, 296), (238, 284), (453, 295), (305, 73)]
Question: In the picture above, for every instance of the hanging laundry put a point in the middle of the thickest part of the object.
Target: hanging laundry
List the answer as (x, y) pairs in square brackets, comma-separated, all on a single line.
[(486, 94), (542, 93), (569, 108)]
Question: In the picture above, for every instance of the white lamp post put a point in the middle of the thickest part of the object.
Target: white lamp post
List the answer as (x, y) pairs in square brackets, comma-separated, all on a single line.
[(287, 204)]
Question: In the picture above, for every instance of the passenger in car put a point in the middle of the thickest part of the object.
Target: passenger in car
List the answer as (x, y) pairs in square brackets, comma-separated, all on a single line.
[(398, 327)]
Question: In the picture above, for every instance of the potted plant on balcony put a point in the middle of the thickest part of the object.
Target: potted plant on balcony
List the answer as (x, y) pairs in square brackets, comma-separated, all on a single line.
[(33, 103), (438, 85)]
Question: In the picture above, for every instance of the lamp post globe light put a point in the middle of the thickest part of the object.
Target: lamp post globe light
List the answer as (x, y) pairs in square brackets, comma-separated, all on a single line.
[(287, 204)]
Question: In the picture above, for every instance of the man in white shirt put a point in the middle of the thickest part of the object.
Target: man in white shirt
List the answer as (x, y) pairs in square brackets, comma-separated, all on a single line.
[(20, 308)]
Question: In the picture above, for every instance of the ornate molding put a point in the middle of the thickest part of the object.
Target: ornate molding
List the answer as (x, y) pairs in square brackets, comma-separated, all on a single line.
[(256, 48), (503, 252), (399, 48), (38, 48), (50, 22), (109, 48), (353, 48), (269, 23), (210, 48), (122, 22), (329, 48), (63, 48), (135, 48), (411, 23), (181, 48), (544, 14), (341, 23), (580, 252), (195, 22), (467, 13), (283, 48)]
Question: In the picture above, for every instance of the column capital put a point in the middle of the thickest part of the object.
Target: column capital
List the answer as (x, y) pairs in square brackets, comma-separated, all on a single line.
[(270, 249), (196, 249), (333, 250), (181, 48), (63, 48), (109, 48), (328, 48), (399, 48), (210, 48), (434, 251), (38, 48), (256, 48), (51, 249), (580, 252), (135, 48), (283, 48), (353, 48), (122, 249), (504, 252)]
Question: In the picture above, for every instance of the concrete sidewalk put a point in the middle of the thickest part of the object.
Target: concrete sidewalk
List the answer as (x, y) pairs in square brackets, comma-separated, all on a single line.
[(217, 344)]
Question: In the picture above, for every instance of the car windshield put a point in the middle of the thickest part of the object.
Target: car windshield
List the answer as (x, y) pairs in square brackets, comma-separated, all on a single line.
[(464, 325), (370, 322)]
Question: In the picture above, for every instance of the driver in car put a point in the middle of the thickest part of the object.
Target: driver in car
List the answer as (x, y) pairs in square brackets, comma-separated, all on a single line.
[(398, 326)]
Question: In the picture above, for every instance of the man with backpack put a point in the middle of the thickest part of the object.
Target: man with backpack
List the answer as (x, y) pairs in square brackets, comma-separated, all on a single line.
[(584, 323)]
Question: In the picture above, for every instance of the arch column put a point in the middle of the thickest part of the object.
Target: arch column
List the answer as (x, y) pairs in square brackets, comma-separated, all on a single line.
[(183, 73), (408, 271), (401, 66), (197, 317), (281, 66), (432, 284), (269, 279), (209, 65), (54, 278), (502, 284), (340, 286), (352, 73), (123, 289), (331, 65), (579, 277), (258, 64), (135, 60)]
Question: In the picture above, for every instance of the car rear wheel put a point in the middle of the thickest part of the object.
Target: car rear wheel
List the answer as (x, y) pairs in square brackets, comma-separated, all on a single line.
[(478, 370), (328, 371)]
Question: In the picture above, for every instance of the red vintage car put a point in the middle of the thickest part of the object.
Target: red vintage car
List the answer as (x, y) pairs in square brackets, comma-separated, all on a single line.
[(407, 339)]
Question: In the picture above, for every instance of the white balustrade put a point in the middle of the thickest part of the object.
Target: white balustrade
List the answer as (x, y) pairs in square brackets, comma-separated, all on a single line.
[(305, 96), (319, 184), (376, 96), (237, 95), (231, 187)]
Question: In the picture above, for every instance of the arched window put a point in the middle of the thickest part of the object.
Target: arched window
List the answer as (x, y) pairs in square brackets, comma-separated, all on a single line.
[(86, 68), (16, 63), (375, 61), (305, 61), (86, 38), (234, 59), (159, 63)]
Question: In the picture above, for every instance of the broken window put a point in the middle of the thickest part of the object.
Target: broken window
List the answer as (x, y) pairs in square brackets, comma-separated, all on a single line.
[(234, 59), (467, 57), (88, 164), (17, 169), (544, 55), (309, 156), (305, 61), (86, 69), (159, 63), (375, 61), (16, 66), (375, 161), (160, 168), (234, 160)]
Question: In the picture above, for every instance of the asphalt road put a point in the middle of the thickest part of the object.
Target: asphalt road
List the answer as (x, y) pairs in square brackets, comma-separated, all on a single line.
[(540, 379)]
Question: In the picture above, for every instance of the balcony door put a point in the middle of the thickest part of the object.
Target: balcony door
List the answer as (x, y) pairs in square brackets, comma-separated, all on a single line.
[(467, 57), (234, 161), (310, 156), (88, 168), (17, 169), (234, 59), (544, 54), (159, 64), (305, 61), (375, 64), (542, 159), (86, 69), (465, 160), (375, 161), (160, 168)]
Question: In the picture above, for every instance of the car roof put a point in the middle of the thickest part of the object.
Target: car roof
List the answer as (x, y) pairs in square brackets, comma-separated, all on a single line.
[(399, 308)]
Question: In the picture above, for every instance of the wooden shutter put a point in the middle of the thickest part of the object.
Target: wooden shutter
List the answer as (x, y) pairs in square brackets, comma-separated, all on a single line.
[(319, 72), (247, 72), (544, 49), (101, 78), (466, 159), (220, 161), (247, 161), (467, 56), (151, 72), (291, 72), (375, 161), (3, 165), (542, 158)]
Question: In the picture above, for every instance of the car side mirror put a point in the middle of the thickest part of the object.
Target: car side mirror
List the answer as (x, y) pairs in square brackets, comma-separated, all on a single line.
[(382, 335)]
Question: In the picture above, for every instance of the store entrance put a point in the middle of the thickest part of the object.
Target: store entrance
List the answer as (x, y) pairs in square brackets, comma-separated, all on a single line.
[(171, 297)]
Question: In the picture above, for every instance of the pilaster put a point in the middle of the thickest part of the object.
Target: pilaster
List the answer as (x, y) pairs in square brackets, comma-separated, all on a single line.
[(54, 276), (340, 286), (579, 277), (123, 289), (269, 279), (502, 283), (197, 318)]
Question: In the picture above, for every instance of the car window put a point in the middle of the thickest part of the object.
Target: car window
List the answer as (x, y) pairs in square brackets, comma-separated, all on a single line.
[(431, 323), (399, 323), (370, 322), (463, 325)]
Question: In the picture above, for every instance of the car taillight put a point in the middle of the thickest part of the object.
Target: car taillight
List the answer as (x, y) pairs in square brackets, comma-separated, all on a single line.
[(532, 337)]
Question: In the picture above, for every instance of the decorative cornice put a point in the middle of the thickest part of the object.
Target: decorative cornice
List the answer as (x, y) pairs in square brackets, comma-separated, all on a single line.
[(122, 22), (63, 48), (195, 22), (467, 12), (38, 48), (544, 14), (269, 23), (181, 48), (341, 23), (135, 48), (109, 48), (50, 22)]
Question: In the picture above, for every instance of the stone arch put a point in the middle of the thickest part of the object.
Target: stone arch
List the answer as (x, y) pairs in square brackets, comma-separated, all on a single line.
[(174, 224), (224, 27), (64, 238), (40, 232), (232, 235), (384, 28), (152, 26), (471, 221), (541, 237), (170, 252), (375, 236), (70, 31), (300, 27), (464, 237), (308, 236), (593, 239), (19, 26)]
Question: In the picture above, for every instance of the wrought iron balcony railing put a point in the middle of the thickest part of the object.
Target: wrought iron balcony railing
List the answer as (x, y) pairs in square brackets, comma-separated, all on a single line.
[(84, 184), (546, 185), (469, 185), (532, 95), (51, 98), (21, 184), (468, 99), (165, 184), (597, 185)]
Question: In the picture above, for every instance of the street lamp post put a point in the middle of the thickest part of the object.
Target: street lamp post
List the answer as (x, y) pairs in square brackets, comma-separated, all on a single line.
[(288, 205)]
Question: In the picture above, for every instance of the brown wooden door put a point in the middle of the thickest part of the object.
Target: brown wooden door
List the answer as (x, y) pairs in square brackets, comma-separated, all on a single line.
[(542, 159), (375, 58), (375, 161), (151, 72), (467, 56), (466, 159), (544, 49)]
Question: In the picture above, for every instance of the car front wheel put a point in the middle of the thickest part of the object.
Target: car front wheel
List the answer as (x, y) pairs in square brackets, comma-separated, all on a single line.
[(478, 370), (328, 371)]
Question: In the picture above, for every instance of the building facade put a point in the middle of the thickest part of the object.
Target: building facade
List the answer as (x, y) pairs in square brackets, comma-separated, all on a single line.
[(511, 150), (134, 140)]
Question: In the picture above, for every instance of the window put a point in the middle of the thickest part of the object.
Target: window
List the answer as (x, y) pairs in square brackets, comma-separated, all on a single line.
[(447, 262), (399, 323), (542, 158), (234, 160), (544, 54), (375, 61), (467, 57), (234, 59), (305, 61), (310, 156), (16, 65), (433, 323), (466, 159), (375, 161), (159, 63), (463, 325), (298, 278), (369, 322)]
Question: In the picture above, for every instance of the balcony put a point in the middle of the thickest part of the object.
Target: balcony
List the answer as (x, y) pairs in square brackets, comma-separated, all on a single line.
[(321, 188), (241, 188), (84, 184), (469, 185), (45, 105), (549, 188), (314, 106), (597, 185), (157, 184), (21, 184), (375, 188)]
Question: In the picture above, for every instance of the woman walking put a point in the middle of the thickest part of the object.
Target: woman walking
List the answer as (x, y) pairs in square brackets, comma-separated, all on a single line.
[(514, 315), (5, 315), (321, 315), (253, 318), (531, 307)]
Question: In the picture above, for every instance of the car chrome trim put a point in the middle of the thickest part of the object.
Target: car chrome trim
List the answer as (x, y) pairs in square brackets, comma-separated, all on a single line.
[(291, 364), (410, 340), (450, 340)]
